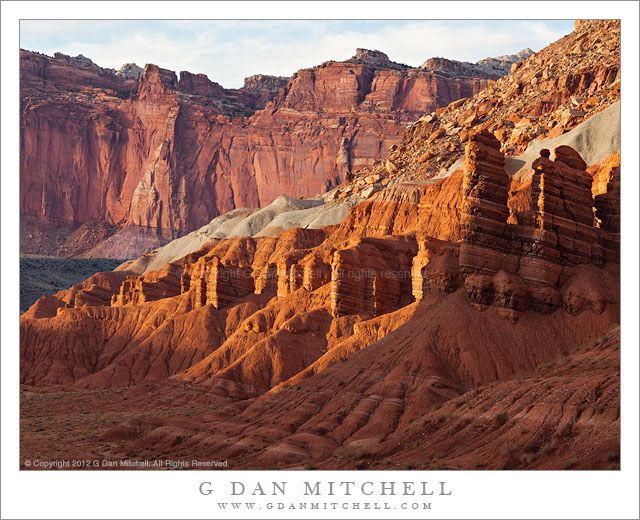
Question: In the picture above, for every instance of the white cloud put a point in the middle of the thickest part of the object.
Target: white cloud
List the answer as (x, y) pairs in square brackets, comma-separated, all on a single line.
[(227, 51)]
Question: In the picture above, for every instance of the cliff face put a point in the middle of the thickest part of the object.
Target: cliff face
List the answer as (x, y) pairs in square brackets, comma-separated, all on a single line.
[(544, 97), (493, 68), (314, 339), (385, 255), (454, 302), (171, 153)]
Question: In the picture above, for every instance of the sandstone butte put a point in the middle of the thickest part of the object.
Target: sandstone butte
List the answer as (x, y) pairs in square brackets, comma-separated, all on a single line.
[(166, 154), (462, 319)]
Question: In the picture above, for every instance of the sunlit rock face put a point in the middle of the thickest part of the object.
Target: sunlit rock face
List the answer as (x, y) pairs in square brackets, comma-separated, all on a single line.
[(168, 153)]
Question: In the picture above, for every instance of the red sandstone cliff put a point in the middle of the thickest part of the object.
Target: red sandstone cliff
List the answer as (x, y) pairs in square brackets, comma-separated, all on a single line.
[(459, 322), (170, 154)]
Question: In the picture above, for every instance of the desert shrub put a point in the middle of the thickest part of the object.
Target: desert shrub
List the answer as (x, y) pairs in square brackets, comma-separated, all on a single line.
[(351, 454), (547, 448), (567, 430), (528, 458), (508, 449), (501, 419), (611, 456)]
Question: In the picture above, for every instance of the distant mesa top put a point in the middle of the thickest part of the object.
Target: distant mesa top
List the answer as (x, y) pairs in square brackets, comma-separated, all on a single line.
[(130, 71), (265, 82), (493, 67), (376, 59), (80, 60)]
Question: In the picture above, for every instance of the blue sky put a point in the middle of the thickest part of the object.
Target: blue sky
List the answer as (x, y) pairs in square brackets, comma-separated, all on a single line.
[(229, 50)]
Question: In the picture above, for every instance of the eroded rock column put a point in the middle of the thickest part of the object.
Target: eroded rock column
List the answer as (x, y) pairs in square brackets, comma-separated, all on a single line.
[(485, 239), (227, 284), (374, 276)]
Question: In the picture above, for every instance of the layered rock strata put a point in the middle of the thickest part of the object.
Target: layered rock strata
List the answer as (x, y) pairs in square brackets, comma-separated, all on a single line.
[(169, 153), (517, 266), (524, 265), (512, 266), (227, 284), (156, 285), (484, 212), (493, 68), (435, 269), (545, 96), (223, 272), (373, 276), (96, 290), (214, 282), (607, 204), (296, 380)]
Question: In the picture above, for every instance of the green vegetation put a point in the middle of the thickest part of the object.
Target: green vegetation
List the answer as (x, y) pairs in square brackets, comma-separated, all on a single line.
[(41, 275)]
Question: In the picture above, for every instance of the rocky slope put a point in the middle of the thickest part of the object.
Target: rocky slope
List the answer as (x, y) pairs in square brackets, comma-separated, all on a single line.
[(596, 139), (461, 316), (163, 154), (493, 68), (544, 97)]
